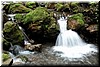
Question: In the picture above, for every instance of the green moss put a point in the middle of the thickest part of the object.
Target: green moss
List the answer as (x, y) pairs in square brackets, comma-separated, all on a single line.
[(39, 13), (5, 56), (30, 5), (58, 6), (5, 42), (19, 17), (12, 33), (18, 8), (78, 17), (8, 26), (74, 4), (67, 5)]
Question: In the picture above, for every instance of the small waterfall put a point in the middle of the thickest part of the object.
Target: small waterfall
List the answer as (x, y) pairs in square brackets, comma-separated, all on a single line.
[(17, 50), (15, 59), (11, 55), (69, 43), (13, 20)]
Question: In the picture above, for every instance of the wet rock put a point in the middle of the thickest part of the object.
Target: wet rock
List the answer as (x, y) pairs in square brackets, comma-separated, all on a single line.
[(92, 28), (46, 57), (92, 33), (16, 49), (51, 5), (8, 62), (37, 47), (75, 21)]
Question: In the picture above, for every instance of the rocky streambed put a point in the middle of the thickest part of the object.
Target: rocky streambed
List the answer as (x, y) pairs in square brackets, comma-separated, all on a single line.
[(47, 58)]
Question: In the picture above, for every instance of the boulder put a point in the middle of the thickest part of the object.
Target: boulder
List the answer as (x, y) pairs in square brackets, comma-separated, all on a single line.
[(18, 8), (40, 23), (75, 21), (12, 34)]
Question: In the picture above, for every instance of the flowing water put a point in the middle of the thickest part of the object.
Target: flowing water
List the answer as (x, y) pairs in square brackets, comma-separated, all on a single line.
[(16, 57), (69, 44), (17, 50), (13, 20)]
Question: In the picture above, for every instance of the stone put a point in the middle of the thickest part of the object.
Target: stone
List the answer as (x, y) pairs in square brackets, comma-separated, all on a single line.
[(37, 47), (8, 62), (16, 49)]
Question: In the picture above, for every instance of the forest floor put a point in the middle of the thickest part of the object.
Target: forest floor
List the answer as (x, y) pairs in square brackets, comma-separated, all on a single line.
[(45, 58)]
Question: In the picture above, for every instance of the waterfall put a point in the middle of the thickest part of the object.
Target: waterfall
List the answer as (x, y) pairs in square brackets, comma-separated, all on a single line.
[(70, 44), (27, 40), (17, 50), (15, 59)]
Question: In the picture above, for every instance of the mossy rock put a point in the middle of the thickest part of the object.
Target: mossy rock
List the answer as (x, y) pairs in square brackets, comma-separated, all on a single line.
[(19, 18), (38, 14), (59, 6), (76, 21), (74, 4), (30, 4), (18, 8), (5, 56), (13, 34), (8, 26), (40, 23), (78, 17)]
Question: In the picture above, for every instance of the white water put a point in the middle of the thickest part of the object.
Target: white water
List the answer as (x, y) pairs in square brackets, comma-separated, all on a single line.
[(26, 41), (16, 59), (70, 44)]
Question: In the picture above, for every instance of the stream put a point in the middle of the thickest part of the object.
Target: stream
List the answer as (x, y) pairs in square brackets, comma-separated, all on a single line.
[(47, 57)]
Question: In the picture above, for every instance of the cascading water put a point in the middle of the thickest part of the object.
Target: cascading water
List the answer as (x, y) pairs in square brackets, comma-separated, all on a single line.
[(13, 20), (17, 50), (15, 59), (69, 44)]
